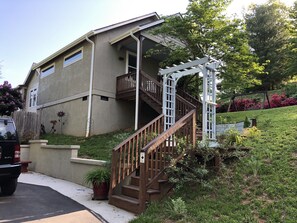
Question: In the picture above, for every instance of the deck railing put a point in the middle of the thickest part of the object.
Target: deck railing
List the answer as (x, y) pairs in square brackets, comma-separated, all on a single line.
[(125, 157), (126, 83)]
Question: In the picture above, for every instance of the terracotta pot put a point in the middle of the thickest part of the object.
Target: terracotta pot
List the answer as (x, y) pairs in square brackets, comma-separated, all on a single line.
[(100, 191)]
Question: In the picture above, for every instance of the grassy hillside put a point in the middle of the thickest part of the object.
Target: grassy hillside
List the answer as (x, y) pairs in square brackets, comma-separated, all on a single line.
[(260, 187), (95, 147)]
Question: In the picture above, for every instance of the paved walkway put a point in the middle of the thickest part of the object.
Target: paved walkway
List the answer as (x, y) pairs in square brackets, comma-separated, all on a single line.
[(82, 195)]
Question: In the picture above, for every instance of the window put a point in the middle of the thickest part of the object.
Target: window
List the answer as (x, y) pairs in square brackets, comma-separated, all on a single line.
[(48, 70), (104, 98), (7, 130), (33, 97), (131, 63), (73, 57)]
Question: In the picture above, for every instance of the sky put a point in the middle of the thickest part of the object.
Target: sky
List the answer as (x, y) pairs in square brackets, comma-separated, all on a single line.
[(31, 30)]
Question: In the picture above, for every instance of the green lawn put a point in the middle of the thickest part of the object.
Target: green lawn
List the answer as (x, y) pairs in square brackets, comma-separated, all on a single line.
[(260, 187), (95, 147)]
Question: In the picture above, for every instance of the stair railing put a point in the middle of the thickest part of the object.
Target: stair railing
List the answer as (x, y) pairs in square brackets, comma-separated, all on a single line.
[(125, 157), (158, 153), (151, 86), (194, 101)]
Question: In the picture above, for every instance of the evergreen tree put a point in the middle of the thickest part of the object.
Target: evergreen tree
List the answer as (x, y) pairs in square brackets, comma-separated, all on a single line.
[(292, 68), (268, 28)]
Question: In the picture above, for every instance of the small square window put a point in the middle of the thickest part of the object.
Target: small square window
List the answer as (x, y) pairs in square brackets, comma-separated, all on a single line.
[(104, 98), (85, 98)]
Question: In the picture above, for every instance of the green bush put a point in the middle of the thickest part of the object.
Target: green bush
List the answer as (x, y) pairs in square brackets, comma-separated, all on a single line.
[(291, 90)]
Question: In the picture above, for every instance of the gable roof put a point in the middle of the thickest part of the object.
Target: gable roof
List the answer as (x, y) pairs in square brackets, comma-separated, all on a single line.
[(153, 15), (136, 29)]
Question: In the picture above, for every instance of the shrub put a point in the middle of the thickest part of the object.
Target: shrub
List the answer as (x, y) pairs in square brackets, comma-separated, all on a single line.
[(291, 90), (280, 100), (177, 208), (10, 99), (276, 100)]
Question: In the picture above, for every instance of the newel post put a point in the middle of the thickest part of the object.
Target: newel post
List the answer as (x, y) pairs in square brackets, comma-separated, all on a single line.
[(194, 135), (142, 181)]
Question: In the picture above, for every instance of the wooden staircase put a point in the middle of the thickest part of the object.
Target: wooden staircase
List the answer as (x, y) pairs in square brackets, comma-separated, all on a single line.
[(139, 163)]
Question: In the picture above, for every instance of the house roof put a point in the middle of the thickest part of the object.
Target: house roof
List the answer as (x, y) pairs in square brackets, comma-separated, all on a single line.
[(92, 33), (30, 74), (136, 30)]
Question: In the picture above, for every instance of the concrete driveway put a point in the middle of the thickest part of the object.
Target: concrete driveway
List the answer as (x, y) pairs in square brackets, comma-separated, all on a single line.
[(32, 203)]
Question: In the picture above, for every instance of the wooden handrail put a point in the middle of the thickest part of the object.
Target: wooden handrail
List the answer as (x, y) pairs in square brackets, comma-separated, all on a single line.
[(157, 154), (125, 156), (158, 140)]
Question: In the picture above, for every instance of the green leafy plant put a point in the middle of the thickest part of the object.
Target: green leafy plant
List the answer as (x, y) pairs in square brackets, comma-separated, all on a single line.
[(232, 138), (177, 208), (253, 133), (98, 176), (246, 122)]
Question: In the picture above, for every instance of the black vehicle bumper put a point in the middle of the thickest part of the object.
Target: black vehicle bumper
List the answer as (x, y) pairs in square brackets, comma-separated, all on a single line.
[(9, 171)]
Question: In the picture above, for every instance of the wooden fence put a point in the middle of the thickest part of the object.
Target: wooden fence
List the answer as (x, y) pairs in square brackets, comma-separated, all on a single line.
[(27, 124)]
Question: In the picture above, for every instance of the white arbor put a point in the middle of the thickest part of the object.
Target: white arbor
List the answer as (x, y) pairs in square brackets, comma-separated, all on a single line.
[(206, 67)]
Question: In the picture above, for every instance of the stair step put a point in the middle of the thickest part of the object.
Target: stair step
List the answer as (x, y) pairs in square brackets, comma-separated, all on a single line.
[(133, 191), (125, 202), (135, 180), (130, 191)]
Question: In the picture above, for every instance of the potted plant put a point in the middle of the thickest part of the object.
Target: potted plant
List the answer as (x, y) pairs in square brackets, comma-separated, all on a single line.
[(99, 178)]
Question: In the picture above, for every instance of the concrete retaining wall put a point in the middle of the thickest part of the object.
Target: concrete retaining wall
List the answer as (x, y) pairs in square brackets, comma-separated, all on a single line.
[(58, 161)]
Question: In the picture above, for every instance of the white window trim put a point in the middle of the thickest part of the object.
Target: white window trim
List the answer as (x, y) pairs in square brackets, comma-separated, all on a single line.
[(31, 97), (127, 60), (51, 65), (72, 53)]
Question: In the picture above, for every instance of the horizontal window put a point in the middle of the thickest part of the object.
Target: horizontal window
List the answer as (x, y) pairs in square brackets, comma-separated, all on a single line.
[(72, 58), (48, 70)]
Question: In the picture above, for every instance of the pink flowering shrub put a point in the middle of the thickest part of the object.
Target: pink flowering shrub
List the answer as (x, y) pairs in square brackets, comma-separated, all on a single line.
[(280, 100), (10, 99), (276, 100)]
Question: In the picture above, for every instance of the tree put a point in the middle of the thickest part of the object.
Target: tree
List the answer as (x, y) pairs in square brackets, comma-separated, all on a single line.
[(10, 99), (268, 28), (205, 30), (292, 68)]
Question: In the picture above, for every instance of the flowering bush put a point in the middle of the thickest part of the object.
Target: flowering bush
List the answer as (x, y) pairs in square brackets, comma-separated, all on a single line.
[(276, 100), (10, 99), (280, 101)]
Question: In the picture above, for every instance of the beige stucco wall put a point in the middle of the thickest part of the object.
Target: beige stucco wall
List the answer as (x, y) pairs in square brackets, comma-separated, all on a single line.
[(66, 81), (64, 89), (74, 119), (111, 115), (59, 161)]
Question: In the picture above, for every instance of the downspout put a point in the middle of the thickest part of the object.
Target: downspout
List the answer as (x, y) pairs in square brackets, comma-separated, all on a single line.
[(137, 80), (88, 130)]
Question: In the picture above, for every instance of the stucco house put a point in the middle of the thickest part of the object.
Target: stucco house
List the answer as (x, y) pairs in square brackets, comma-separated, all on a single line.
[(81, 79), (104, 82)]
